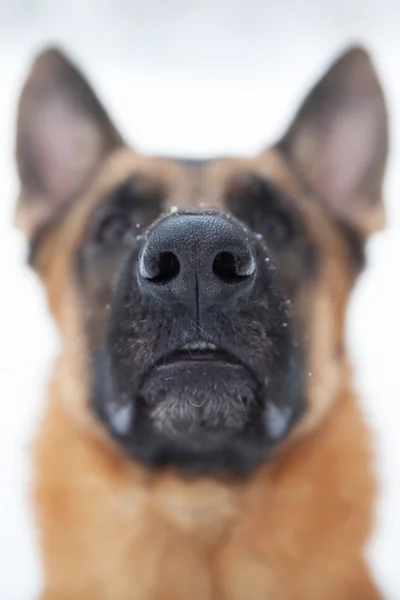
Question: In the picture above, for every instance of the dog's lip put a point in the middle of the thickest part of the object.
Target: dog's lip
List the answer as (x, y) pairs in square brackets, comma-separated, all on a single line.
[(198, 351)]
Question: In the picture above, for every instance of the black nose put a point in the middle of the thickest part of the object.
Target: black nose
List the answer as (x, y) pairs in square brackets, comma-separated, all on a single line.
[(199, 260)]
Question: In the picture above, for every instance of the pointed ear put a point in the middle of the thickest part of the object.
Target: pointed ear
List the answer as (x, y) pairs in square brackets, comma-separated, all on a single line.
[(62, 133), (338, 142)]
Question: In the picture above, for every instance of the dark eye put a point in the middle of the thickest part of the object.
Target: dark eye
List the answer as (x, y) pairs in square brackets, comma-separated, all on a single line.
[(113, 229), (278, 227)]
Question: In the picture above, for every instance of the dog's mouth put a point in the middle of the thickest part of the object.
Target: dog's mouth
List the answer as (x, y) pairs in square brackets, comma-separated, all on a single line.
[(199, 386), (198, 351)]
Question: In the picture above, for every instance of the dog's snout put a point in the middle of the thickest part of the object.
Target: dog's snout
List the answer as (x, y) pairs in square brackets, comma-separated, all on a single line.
[(198, 260)]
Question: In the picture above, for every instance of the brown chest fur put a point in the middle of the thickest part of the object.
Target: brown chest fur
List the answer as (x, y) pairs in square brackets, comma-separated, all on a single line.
[(296, 530)]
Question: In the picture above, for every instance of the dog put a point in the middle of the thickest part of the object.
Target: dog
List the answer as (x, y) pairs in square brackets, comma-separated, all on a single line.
[(201, 437)]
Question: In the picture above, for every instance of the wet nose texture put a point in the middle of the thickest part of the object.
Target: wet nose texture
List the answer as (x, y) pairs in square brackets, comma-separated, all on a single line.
[(200, 261)]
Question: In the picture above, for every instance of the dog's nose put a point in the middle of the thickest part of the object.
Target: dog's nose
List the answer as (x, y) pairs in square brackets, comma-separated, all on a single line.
[(199, 260)]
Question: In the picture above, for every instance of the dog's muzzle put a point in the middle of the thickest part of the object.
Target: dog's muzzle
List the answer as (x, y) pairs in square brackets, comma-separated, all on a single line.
[(198, 368)]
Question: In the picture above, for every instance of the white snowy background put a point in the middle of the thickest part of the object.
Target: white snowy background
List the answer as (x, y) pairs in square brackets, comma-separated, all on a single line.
[(194, 77)]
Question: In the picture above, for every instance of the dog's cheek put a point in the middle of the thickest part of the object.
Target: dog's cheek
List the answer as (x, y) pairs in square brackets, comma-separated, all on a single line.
[(323, 352)]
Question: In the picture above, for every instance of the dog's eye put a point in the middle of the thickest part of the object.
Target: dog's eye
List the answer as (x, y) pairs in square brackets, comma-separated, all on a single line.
[(113, 229), (278, 227)]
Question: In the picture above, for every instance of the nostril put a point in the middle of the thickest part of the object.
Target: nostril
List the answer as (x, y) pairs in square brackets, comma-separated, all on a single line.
[(167, 268), (231, 269)]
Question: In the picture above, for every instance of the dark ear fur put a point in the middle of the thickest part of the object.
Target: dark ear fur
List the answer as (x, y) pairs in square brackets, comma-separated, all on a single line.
[(338, 141), (63, 132)]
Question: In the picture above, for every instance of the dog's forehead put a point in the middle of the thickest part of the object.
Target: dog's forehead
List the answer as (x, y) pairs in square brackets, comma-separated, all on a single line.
[(208, 181), (226, 171)]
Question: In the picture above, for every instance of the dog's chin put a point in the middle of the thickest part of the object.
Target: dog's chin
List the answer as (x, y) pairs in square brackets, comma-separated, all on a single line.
[(199, 418), (198, 402), (203, 416)]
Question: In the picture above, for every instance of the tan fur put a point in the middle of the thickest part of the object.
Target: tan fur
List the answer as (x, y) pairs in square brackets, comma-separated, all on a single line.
[(296, 530), (160, 537)]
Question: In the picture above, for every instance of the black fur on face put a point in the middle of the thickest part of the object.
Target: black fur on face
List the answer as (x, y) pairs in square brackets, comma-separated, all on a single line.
[(165, 405)]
